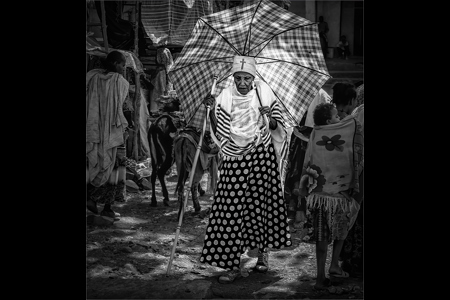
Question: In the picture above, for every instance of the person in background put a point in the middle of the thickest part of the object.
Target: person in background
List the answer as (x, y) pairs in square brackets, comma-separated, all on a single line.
[(248, 211), (359, 94), (330, 177), (106, 90), (352, 253), (326, 114), (343, 47), (323, 31), (344, 97), (160, 80), (297, 149), (358, 112)]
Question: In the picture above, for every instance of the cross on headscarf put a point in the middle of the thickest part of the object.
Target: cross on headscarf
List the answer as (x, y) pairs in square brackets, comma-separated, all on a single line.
[(243, 62)]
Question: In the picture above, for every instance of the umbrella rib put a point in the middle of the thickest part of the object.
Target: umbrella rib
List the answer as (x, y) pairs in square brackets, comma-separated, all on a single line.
[(281, 102), (279, 60), (199, 62), (226, 74), (226, 41), (275, 36), (250, 29)]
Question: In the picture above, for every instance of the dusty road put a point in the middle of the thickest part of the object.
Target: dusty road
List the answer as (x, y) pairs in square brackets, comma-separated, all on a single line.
[(129, 259)]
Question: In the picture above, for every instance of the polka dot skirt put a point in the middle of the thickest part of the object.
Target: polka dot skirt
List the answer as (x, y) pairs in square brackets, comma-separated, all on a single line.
[(248, 210)]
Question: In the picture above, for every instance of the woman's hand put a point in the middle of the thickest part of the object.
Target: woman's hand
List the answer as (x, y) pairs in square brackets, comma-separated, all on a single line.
[(209, 101), (264, 110)]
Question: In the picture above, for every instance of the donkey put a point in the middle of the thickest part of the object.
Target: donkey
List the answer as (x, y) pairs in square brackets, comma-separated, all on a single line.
[(161, 140), (185, 146)]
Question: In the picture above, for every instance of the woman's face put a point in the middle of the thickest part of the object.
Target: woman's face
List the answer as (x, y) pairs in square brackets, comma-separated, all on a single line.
[(243, 81)]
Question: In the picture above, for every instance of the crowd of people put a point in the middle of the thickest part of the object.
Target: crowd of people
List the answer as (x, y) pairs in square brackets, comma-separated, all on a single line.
[(330, 180), (251, 208)]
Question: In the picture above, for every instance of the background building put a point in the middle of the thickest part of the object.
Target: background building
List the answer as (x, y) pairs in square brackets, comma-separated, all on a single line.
[(343, 18)]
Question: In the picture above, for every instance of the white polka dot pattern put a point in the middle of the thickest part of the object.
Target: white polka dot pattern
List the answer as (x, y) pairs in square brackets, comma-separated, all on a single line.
[(256, 220)]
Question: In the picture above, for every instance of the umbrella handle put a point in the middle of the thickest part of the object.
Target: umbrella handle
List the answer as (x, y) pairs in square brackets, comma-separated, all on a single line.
[(266, 120), (213, 88)]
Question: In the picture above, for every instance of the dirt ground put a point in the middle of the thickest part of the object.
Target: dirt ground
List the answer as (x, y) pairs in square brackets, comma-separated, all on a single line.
[(137, 249)]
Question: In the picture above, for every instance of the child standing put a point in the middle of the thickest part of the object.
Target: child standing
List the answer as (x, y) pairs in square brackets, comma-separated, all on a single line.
[(333, 162), (297, 150)]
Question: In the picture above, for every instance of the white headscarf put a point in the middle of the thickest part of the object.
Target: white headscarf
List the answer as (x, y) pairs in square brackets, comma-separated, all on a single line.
[(245, 116), (244, 64)]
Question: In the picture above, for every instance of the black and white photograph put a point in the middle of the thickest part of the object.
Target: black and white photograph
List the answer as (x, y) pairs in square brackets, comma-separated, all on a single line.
[(225, 149)]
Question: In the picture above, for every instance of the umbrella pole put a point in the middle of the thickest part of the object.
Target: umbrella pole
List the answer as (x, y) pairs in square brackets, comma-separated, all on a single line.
[(191, 177), (266, 119)]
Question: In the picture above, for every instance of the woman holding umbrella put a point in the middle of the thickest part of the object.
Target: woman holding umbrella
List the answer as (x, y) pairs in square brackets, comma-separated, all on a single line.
[(248, 211)]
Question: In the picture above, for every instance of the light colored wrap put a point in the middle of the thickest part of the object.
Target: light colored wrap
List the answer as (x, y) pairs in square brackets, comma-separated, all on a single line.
[(105, 122)]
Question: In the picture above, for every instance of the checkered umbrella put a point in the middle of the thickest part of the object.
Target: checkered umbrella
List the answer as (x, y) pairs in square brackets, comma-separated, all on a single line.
[(286, 48)]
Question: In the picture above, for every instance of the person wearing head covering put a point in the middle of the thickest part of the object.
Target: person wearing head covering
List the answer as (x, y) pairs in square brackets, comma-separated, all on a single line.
[(161, 82), (358, 112), (297, 149), (248, 211), (330, 177), (352, 253), (359, 94), (106, 90)]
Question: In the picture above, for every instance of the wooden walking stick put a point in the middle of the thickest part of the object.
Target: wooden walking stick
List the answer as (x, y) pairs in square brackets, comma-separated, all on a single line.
[(191, 177)]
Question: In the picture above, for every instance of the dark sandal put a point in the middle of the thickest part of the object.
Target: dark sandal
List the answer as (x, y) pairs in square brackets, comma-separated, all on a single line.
[(262, 265), (342, 275)]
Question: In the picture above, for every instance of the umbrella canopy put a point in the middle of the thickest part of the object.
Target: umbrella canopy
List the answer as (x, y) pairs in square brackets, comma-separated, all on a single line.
[(286, 48)]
